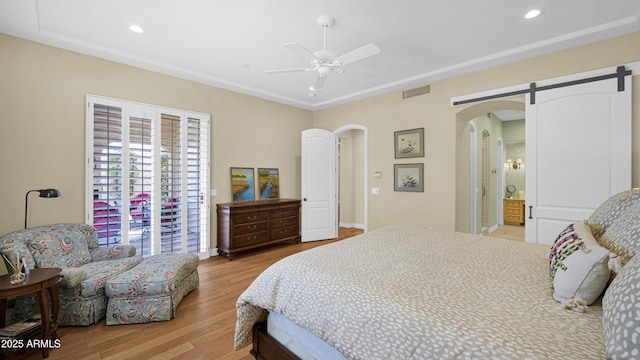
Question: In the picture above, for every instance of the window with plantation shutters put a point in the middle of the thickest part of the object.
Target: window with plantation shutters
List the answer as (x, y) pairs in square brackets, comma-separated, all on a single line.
[(147, 176), (107, 172)]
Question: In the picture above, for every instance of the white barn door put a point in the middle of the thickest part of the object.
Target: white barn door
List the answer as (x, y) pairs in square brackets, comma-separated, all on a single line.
[(578, 145), (319, 183)]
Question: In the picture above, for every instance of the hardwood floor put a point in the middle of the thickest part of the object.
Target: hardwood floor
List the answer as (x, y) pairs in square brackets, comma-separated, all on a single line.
[(205, 319)]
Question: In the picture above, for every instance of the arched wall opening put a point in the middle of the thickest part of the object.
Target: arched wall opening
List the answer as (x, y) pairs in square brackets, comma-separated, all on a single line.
[(358, 202), (463, 161)]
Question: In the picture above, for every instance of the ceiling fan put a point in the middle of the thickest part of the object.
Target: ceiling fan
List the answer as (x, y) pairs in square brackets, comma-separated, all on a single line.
[(323, 61)]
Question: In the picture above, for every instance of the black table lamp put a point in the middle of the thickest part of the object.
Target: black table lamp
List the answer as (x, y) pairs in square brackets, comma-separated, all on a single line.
[(44, 193)]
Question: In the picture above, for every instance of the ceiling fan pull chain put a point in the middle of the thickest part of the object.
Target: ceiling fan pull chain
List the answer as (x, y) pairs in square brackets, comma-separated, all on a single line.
[(324, 38)]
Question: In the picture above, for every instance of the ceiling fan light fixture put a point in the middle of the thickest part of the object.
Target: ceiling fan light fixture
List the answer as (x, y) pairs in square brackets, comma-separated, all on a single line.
[(136, 29), (532, 14), (325, 21)]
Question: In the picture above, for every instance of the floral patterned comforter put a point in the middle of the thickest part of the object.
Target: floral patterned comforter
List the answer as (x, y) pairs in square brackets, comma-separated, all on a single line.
[(411, 292)]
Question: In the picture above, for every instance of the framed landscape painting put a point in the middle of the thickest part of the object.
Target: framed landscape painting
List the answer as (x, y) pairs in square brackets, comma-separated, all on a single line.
[(242, 184), (268, 183), (409, 143), (408, 177)]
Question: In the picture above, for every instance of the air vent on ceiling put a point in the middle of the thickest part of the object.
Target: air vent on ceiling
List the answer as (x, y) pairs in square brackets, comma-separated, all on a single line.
[(417, 91)]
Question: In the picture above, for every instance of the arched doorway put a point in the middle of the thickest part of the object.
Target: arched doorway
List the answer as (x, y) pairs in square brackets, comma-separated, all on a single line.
[(353, 148), (464, 200)]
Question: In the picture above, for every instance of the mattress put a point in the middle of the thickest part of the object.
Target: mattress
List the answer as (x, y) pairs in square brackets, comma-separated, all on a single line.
[(413, 292), (299, 340)]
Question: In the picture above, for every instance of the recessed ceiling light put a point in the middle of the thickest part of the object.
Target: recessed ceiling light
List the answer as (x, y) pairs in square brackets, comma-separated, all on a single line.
[(136, 29), (534, 13)]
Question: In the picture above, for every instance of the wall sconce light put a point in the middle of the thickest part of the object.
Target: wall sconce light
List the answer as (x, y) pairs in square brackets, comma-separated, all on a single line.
[(44, 193), (514, 165)]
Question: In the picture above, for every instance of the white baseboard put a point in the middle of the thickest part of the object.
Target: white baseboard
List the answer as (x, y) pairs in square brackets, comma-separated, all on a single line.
[(493, 228), (350, 225)]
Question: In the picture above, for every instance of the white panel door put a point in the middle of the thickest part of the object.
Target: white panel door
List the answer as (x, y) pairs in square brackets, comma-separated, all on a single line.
[(578, 145), (319, 183)]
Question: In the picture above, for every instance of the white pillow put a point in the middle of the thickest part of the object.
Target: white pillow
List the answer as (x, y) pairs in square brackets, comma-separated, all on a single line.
[(578, 265)]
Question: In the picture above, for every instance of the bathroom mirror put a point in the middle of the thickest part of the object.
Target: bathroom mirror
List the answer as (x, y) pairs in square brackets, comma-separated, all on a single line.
[(514, 168)]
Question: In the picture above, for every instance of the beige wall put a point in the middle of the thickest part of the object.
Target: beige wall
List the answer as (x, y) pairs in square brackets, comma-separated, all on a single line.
[(444, 202), (42, 94), (42, 141)]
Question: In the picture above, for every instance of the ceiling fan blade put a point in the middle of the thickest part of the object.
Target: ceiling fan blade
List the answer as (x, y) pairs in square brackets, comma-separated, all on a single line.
[(357, 54), (287, 70), (319, 83), (306, 53)]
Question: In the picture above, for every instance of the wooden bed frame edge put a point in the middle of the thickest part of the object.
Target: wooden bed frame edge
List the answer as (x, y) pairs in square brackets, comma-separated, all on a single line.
[(265, 347)]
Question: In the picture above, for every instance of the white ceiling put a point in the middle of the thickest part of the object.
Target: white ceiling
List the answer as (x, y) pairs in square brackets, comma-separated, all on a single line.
[(508, 115), (229, 44)]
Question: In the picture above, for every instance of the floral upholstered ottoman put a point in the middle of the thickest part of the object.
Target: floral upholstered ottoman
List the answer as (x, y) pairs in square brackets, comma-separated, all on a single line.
[(152, 290)]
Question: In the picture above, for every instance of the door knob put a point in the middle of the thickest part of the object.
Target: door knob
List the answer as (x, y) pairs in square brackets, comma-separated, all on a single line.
[(304, 199)]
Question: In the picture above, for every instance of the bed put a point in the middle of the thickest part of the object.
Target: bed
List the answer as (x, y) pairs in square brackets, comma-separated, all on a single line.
[(414, 292)]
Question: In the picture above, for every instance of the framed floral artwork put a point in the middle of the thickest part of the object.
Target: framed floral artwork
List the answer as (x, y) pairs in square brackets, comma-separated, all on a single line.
[(409, 143), (408, 177)]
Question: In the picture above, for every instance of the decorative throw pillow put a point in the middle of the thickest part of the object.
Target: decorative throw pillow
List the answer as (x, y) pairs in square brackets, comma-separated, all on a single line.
[(16, 243), (621, 313), (610, 209), (62, 249), (578, 265), (623, 236), (9, 250)]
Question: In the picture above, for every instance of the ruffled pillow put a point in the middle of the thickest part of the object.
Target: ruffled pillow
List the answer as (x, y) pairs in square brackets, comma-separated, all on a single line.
[(578, 266)]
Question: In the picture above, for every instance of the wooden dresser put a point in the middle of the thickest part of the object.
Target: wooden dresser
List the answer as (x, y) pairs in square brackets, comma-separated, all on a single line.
[(513, 210), (250, 224)]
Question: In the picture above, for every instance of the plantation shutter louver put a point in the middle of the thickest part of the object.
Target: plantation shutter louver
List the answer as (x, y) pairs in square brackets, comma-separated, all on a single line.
[(141, 182), (163, 207), (107, 173), (171, 183), (196, 182)]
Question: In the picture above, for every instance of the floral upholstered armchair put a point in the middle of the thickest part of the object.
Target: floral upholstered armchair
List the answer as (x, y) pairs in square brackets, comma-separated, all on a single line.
[(85, 268)]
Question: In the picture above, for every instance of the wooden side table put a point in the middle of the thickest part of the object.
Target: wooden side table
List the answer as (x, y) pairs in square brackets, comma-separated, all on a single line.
[(39, 280)]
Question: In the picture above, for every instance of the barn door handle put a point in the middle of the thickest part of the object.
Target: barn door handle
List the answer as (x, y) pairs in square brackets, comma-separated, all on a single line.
[(530, 211)]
